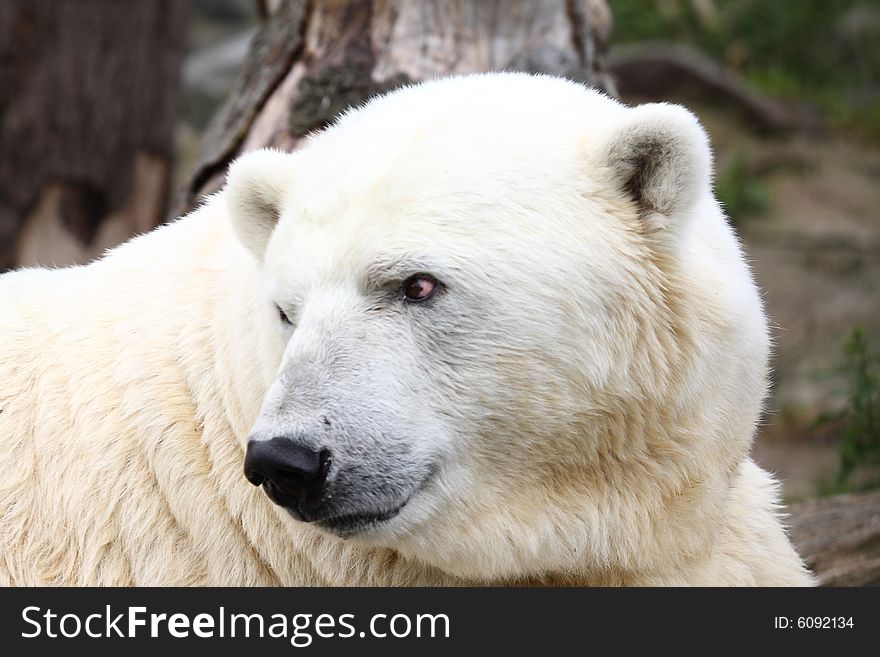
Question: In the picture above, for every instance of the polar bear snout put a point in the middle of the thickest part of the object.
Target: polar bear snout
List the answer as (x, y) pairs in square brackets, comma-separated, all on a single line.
[(291, 473)]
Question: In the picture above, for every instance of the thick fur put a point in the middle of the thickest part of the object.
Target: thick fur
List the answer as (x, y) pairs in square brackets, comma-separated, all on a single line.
[(576, 406)]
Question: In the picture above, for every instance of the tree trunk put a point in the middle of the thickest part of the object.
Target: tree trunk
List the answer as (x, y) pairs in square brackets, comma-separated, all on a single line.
[(88, 104), (311, 60)]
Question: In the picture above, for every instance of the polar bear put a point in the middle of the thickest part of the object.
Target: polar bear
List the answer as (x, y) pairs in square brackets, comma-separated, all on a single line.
[(490, 329)]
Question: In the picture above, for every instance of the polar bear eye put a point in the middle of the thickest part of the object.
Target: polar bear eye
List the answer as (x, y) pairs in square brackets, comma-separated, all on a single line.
[(419, 287), (283, 315)]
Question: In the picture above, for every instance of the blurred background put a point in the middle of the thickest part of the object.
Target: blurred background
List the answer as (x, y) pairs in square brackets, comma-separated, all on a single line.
[(115, 116)]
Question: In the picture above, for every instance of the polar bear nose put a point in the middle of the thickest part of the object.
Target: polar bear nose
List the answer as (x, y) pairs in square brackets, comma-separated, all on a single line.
[(289, 470)]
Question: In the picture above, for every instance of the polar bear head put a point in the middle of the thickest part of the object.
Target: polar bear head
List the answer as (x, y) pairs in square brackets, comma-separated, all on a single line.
[(521, 339)]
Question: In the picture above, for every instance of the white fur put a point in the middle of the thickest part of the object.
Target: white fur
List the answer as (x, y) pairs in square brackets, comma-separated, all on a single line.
[(262, 180), (587, 387)]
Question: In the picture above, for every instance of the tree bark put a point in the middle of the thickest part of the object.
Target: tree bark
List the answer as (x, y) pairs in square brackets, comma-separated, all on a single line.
[(88, 103), (311, 60)]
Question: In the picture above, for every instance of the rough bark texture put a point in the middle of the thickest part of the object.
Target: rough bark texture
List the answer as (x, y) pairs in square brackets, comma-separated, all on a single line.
[(311, 60), (88, 104), (840, 538)]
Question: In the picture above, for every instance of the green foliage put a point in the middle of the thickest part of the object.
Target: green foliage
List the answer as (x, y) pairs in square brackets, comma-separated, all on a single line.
[(741, 191), (825, 52), (861, 435), (859, 420), (862, 121)]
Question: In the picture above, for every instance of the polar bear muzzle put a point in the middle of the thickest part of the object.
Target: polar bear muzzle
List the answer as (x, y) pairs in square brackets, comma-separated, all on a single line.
[(294, 475)]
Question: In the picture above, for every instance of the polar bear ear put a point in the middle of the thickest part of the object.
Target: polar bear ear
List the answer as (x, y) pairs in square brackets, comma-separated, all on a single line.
[(659, 157), (256, 186)]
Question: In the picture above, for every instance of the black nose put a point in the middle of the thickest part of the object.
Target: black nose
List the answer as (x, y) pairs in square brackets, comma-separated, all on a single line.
[(289, 471)]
